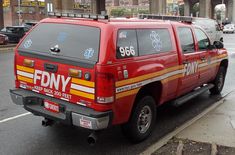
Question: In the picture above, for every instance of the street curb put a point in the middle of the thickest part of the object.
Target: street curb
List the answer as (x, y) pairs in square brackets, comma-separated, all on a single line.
[(6, 48), (151, 149)]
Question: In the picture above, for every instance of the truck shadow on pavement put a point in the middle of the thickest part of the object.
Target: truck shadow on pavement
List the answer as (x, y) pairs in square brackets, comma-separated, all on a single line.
[(65, 140)]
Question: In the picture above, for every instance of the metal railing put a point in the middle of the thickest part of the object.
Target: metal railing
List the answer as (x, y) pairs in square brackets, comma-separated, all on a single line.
[(76, 15)]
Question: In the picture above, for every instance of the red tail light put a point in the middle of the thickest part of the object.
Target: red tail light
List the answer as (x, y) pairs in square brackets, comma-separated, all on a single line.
[(16, 52), (104, 88), (15, 69)]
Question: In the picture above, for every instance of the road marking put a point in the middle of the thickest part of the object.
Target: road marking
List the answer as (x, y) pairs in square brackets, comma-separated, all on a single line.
[(179, 150), (233, 123), (151, 149), (15, 117), (214, 150)]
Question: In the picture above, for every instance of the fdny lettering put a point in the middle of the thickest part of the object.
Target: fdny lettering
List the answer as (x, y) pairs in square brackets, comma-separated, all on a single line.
[(190, 68), (51, 80)]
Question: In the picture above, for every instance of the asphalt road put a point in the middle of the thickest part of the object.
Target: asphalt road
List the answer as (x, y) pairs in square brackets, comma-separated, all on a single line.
[(25, 135)]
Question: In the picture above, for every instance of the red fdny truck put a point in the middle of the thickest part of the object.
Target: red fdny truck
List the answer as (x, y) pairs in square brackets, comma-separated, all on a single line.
[(94, 72)]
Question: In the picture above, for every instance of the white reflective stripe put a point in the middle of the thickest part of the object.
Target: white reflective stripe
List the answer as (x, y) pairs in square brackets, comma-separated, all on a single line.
[(50, 95), (215, 61), (83, 104), (141, 83), (64, 99), (83, 88), (204, 64), (218, 60), (172, 73), (23, 86), (212, 62), (29, 75), (35, 90), (158, 78)]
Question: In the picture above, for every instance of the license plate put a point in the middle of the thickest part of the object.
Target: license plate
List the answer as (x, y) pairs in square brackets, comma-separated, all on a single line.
[(85, 123), (51, 106)]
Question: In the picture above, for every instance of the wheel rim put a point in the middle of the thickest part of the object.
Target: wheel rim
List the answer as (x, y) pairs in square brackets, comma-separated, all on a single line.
[(144, 119), (220, 80)]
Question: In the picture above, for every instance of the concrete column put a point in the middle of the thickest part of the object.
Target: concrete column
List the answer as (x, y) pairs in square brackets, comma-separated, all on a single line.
[(1, 15), (93, 6), (191, 8), (205, 8), (152, 6), (135, 2), (226, 13), (14, 16), (50, 2), (157, 6), (213, 11), (67, 5), (231, 10), (97, 6), (164, 7), (187, 8), (116, 2), (37, 15), (57, 5)]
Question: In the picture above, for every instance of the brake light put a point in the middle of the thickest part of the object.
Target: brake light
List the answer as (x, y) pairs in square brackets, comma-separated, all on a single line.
[(104, 88), (15, 65)]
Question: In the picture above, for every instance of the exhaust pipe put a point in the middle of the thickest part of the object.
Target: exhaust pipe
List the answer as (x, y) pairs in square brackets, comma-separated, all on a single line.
[(92, 138), (47, 122)]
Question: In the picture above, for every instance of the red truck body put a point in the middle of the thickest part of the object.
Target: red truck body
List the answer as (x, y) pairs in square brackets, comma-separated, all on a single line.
[(112, 83)]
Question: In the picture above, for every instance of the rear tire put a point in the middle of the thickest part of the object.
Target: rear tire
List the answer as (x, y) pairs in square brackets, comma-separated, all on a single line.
[(218, 82), (142, 120)]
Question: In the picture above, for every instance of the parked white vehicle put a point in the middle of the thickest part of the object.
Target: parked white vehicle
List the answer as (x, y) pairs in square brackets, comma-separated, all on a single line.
[(211, 27), (229, 28)]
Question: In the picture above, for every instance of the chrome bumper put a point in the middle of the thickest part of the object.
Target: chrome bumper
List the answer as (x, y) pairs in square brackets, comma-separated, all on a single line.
[(69, 113)]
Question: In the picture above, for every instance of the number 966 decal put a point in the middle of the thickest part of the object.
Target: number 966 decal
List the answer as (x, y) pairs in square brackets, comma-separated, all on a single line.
[(127, 51)]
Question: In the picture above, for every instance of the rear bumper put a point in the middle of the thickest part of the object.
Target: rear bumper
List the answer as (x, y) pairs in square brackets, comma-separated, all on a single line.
[(228, 31), (70, 114)]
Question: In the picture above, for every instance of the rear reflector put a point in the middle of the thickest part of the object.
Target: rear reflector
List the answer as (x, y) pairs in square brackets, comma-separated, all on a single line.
[(28, 63), (105, 99), (75, 73), (104, 88)]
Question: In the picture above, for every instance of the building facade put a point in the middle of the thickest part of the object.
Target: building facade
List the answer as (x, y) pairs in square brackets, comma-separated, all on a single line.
[(17, 12)]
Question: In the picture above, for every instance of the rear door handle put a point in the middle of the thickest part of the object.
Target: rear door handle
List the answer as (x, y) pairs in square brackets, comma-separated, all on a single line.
[(50, 67)]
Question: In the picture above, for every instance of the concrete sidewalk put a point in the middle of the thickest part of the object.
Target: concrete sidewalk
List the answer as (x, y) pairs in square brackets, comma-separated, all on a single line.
[(218, 126)]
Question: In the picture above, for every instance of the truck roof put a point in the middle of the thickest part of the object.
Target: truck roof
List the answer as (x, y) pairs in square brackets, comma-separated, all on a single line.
[(113, 21)]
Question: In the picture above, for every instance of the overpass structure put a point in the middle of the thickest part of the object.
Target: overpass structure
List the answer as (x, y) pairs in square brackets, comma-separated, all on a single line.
[(1, 15), (156, 6), (207, 7), (66, 5)]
